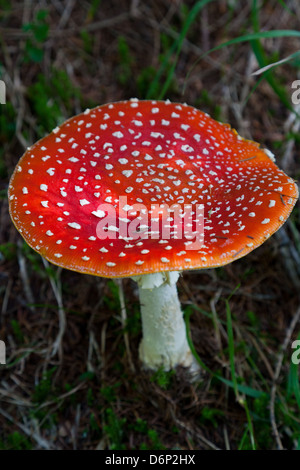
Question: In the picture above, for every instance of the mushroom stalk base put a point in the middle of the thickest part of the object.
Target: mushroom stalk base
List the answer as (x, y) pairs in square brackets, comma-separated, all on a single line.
[(164, 342)]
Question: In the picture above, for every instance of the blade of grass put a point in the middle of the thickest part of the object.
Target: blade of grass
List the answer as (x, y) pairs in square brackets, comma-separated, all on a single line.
[(282, 3), (251, 392), (234, 382), (177, 46), (241, 445), (261, 58), (277, 33), (241, 400), (254, 88), (250, 425), (231, 350)]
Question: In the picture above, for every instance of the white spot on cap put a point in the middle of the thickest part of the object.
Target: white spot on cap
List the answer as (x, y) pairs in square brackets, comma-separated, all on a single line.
[(156, 135), (84, 202), (187, 148), (44, 187), (74, 225), (118, 134), (99, 214)]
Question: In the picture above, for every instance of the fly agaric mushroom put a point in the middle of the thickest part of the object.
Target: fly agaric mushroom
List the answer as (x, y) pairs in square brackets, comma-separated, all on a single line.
[(83, 197)]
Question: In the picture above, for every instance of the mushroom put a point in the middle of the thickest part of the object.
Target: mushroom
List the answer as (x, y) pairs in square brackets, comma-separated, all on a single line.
[(147, 189)]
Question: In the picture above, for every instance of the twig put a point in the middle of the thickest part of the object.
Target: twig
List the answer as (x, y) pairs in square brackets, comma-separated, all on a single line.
[(6, 297), (217, 325), (124, 319), (226, 438), (66, 13), (290, 257), (93, 345), (63, 396), (34, 435), (260, 353), (55, 33), (292, 126), (193, 432), (75, 427), (56, 287), (25, 278), (103, 344)]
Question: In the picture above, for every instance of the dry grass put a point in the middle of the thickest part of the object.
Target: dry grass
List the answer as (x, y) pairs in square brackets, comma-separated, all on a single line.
[(73, 378)]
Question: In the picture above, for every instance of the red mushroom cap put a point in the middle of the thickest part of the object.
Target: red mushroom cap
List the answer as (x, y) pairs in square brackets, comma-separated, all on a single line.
[(152, 153)]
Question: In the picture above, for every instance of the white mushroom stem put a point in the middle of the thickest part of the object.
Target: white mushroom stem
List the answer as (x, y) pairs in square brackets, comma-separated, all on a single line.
[(164, 342)]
